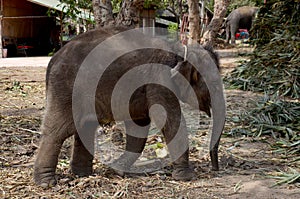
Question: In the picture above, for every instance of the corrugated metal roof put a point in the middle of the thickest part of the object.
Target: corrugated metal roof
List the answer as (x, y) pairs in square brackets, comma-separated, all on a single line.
[(55, 4)]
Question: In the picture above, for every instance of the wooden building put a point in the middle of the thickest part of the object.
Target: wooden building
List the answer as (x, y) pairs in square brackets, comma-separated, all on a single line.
[(25, 28)]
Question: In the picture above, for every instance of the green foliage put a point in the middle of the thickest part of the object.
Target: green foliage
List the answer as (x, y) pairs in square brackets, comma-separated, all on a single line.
[(173, 27), (17, 87), (239, 3), (116, 4), (153, 4), (287, 177), (276, 22), (210, 5), (274, 65), (272, 116), (269, 71), (73, 9), (157, 4), (273, 68)]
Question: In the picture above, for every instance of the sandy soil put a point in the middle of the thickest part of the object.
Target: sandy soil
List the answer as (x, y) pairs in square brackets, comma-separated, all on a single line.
[(246, 163)]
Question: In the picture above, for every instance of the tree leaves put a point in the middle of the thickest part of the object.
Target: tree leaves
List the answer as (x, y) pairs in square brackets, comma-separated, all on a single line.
[(275, 63)]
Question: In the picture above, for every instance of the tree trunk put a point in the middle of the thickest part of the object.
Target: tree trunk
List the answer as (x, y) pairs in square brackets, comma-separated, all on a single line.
[(97, 13), (202, 17), (102, 12), (129, 14), (107, 14), (210, 34), (1, 47), (180, 13), (175, 7), (194, 21)]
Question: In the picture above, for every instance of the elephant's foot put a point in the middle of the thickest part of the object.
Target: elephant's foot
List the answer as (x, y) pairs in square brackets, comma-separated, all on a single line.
[(183, 174), (82, 159), (122, 165), (82, 170), (119, 169), (45, 178), (46, 162), (182, 169)]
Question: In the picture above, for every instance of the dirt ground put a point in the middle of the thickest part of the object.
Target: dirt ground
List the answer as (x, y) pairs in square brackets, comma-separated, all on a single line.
[(246, 162)]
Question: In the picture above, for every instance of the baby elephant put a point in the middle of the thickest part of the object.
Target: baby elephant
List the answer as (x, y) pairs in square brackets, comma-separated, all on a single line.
[(70, 106)]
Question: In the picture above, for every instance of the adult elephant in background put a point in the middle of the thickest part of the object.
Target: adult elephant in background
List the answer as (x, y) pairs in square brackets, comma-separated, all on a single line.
[(240, 18)]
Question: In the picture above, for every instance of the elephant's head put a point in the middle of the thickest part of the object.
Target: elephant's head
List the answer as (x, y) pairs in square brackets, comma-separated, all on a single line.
[(197, 86), (197, 83), (201, 70)]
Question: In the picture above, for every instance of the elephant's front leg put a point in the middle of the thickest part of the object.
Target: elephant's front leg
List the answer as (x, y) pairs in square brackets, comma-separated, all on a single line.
[(177, 141), (55, 131), (170, 120), (136, 137), (46, 161)]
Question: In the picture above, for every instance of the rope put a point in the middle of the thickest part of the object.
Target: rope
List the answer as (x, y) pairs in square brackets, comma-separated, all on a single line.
[(185, 52)]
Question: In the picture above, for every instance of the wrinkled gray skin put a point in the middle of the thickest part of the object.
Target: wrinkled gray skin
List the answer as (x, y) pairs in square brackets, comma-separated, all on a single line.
[(240, 18), (58, 122)]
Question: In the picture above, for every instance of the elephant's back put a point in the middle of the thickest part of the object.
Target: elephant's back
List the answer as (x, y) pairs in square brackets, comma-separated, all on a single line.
[(64, 65), (66, 62), (75, 51)]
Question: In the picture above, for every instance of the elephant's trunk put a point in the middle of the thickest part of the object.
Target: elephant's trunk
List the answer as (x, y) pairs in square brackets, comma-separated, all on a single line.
[(208, 69)]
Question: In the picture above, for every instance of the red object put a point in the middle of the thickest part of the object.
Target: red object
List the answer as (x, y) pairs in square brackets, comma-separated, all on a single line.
[(243, 30), (24, 47)]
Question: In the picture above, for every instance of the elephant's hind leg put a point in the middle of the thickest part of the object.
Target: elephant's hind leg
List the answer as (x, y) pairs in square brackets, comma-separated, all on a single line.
[(227, 32)]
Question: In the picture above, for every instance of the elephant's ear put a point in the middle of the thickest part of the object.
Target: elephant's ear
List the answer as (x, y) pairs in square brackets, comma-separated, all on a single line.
[(182, 69)]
